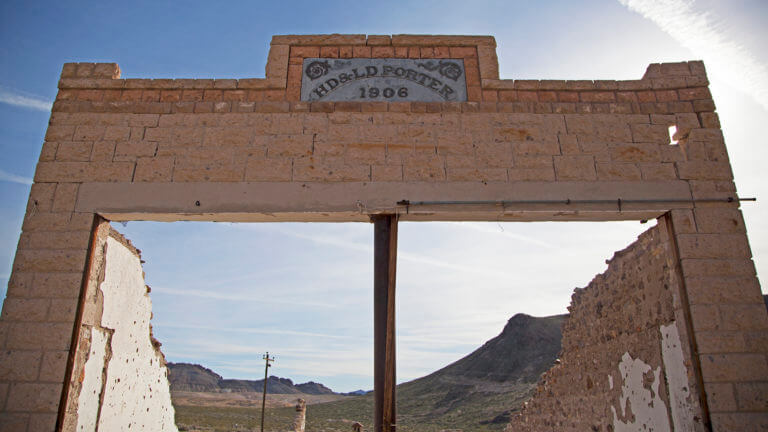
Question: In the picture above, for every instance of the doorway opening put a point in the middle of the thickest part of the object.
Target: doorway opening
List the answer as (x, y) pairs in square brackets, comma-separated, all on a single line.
[(221, 299)]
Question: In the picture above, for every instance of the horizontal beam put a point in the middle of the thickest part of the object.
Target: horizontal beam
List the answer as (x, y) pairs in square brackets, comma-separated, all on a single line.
[(356, 201)]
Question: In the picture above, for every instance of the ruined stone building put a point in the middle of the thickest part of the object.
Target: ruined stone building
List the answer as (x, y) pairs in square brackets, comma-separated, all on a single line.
[(673, 336)]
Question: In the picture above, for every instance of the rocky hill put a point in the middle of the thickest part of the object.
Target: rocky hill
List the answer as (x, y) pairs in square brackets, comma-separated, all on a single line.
[(484, 385), (196, 378), (475, 393)]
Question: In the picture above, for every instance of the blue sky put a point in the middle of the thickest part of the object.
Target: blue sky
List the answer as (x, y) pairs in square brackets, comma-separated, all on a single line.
[(223, 294)]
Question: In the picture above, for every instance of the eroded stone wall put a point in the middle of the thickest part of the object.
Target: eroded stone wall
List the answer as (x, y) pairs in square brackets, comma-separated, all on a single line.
[(622, 365)]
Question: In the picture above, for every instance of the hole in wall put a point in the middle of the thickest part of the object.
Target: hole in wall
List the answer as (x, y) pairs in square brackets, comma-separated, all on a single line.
[(672, 133)]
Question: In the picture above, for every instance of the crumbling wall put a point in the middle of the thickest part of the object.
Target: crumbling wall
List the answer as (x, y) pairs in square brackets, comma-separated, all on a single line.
[(622, 364), (122, 383)]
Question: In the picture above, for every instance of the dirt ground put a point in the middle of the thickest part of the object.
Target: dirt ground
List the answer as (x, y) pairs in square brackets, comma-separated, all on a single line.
[(246, 399)]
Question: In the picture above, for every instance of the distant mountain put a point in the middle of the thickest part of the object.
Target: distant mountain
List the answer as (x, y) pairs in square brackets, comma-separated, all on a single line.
[(476, 393), (314, 388), (193, 377), (497, 376)]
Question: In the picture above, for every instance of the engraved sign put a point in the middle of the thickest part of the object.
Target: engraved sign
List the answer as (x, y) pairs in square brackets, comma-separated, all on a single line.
[(383, 80)]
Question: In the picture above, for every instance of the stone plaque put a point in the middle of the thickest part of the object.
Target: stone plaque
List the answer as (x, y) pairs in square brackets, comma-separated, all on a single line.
[(383, 80)]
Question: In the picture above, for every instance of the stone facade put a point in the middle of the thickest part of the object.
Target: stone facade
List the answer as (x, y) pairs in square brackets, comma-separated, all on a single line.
[(250, 150)]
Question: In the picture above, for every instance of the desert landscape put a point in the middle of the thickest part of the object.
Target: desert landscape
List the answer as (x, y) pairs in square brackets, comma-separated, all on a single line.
[(474, 394)]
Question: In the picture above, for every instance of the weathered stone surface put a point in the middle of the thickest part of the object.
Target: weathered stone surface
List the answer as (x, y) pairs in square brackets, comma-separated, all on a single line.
[(618, 320)]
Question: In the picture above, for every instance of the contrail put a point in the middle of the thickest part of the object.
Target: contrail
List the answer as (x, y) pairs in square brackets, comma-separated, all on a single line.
[(702, 33)]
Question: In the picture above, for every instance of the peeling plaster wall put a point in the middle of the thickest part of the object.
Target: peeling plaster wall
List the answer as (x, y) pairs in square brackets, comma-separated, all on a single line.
[(124, 383), (93, 381), (623, 366), (642, 408), (683, 412)]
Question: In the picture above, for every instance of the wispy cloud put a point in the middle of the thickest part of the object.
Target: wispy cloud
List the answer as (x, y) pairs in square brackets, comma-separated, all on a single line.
[(489, 229), (24, 100), (13, 178), (401, 254), (704, 34), (260, 331), (238, 297)]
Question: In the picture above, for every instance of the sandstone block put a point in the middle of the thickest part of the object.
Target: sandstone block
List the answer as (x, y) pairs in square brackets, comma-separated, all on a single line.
[(213, 172), (752, 396), (694, 93), (154, 169), (289, 146), (35, 397), (62, 310), (484, 175), (42, 422), (733, 367), (704, 170), (617, 171), (361, 52), (369, 153), (19, 365), (709, 120), (426, 168), (656, 133), (77, 151), (39, 336), (531, 174), (329, 169), (48, 152), (575, 168), (386, 172), (58, 239), (722, 396), (718, 267), (723, 290), (14, 422), (637, 152), (742, 422), (719, 220), (53, 366), (718, 342), (658, 171), (325, 39), (597, 96), (45, 260), (744, 317), (56, 285)]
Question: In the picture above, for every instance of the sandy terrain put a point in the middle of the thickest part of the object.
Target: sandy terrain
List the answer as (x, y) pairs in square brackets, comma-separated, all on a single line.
[(246, 399)]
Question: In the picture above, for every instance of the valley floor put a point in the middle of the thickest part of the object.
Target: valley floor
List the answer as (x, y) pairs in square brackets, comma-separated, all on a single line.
[(219, 412)]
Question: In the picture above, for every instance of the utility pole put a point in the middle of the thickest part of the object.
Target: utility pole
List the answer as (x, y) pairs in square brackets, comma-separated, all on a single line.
[(267, 360)]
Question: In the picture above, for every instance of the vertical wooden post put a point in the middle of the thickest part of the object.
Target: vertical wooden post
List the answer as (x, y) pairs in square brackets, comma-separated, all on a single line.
[(385, 260)]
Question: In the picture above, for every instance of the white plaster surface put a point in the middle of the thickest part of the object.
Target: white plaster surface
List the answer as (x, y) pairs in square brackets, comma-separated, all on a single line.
[(677, 379), (649, 411), (90, 394), (136, 393)]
